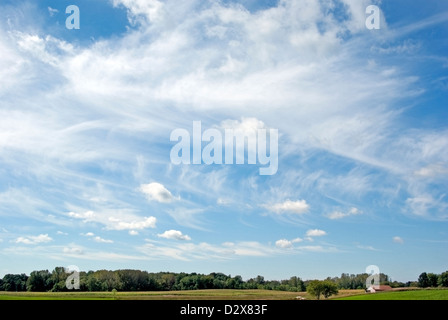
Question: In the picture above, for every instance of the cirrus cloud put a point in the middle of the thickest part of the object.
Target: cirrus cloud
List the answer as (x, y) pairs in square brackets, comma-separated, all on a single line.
[(339, 214)]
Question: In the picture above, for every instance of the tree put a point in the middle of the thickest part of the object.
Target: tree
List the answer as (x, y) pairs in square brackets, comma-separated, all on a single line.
[(329, 288), (166, 280), (39, 281), (296, 284), (315, 288), (423, 280), (15, 282), (397, 284), (239, 281), (432, 279), (326, 288), (91, 282), (260, 279), (443, 279), (133, 280)]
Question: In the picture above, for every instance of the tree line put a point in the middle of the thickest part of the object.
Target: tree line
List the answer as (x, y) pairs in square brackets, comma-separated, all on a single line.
[(426, 280), (137, 280)]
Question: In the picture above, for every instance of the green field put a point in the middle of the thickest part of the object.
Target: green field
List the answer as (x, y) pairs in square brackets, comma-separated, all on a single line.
[(429, 294), (221, 294), (417, 294)]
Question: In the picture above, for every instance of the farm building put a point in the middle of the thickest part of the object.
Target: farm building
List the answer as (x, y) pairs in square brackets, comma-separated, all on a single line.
[(379, 288)]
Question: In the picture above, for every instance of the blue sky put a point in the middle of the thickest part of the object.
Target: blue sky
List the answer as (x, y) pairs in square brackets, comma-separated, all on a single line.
[(86, 115)]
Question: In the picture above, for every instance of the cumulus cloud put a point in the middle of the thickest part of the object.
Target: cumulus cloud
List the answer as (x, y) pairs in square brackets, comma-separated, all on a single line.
[(96, 238), (283, 243), (398, 239), (101, 240), (293, 207), (157, 192), (42, 238), (174, 234), (339, 215), (88, 234), (315, 233)]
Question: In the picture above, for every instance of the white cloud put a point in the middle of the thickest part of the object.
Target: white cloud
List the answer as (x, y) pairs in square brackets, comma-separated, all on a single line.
[(371, 248), (44, 49), (88, 234), (86, 216), (228, 250), (140, 10), (62, 233), (73, 250), (256, 63), (315, 233), (398, 239), (42, 238), (96, 238), (174, 234), (283, 243), (101, 240), (432, 171), (223, 202), (421, 204), (147, 222), (157, 192), (52, 11), (339, 215), (245, 125), (187, 217), (252, 248), (120, 219), (317, 249), (295, 207), (133, 232)]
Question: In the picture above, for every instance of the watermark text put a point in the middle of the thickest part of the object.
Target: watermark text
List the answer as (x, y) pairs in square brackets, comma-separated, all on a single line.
[(227, 148)]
